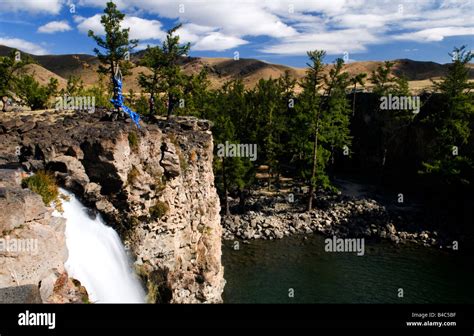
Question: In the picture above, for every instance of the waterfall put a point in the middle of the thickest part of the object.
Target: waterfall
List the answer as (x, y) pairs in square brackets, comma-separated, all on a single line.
[(97, 257)]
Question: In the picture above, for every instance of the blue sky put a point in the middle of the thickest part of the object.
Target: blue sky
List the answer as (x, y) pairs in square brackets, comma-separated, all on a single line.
[(276, 31)]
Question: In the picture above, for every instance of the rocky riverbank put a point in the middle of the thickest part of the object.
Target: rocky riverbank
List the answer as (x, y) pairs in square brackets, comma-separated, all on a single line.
[(274, 217), (153, 184)]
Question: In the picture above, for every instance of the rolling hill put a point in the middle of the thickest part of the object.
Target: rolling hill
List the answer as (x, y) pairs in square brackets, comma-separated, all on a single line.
[(221, 70)]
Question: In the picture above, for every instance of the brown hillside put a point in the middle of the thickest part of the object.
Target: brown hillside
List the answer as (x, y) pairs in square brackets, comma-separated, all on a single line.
[(221, 70)]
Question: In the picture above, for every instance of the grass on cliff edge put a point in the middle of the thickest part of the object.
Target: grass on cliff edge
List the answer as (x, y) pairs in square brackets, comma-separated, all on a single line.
[(44, 184)]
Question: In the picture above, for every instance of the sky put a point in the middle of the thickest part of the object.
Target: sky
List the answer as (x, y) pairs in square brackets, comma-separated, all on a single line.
[(275, 31)]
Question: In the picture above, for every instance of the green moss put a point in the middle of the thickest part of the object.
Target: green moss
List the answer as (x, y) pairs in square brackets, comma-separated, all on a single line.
[(133, 141), (159, 210), (44, 184), (153, 292)]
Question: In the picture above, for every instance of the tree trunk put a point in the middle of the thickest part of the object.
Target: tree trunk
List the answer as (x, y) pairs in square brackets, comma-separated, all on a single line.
[(242, 197), (152, 104), (170, 106), (313, 171), (226, 192), (113, 68), (269, 186), (354, 99)]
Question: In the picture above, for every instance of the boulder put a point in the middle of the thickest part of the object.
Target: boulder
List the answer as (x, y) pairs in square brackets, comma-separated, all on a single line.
[(73, 173), (170, 160), (20, 294), (20, 206)]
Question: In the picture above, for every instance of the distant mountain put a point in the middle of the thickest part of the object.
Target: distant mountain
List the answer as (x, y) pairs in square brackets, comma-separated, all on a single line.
[(220, 70)]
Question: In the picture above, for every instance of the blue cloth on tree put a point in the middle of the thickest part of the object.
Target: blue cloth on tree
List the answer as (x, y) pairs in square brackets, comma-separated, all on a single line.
[(118, 103)]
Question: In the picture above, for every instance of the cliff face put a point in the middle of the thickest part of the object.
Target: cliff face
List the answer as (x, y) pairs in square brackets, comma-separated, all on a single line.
[(32, 243), (154, 185)]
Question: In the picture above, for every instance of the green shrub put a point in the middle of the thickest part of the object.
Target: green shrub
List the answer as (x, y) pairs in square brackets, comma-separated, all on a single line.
[(142, 105), (44, 184), (133, 141), (33, 94), (159, 210), (100, 92), (133, 175)]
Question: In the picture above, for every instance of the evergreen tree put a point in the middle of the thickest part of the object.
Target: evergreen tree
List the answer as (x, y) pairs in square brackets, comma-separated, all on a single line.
[(388, 123), (335, 119), (452, 152), (312, 84), (116, 44), (74, 86), (236, 174), (270, 113), (166, 77), (357, 79), (10, 69), (197, 96), (31, 93)]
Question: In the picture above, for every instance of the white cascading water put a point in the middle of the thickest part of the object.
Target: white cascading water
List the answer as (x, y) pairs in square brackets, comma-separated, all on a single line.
[(97, 257)]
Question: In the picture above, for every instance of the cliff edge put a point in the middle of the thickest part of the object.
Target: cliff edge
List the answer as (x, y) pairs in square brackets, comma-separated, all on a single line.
[(153, 184)]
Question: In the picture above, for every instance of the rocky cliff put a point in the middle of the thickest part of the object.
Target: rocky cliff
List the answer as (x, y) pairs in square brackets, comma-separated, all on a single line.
[(154, 185)]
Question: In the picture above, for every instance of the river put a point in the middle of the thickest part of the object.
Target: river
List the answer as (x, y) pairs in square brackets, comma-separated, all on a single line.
[(270, 271)]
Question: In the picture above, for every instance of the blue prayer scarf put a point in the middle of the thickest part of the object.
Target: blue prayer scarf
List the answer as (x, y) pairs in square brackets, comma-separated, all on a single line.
[(118, 103)]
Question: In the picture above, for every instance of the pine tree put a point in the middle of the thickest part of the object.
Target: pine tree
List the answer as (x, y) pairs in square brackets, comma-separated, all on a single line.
[(10, 70), (167, 76), (33, 94), (312, 83), (452, 155), (357, 79), (197, 95), (270, 112), (116, 44), (335, 119), (236, 174), (389, 123), (74, 86)]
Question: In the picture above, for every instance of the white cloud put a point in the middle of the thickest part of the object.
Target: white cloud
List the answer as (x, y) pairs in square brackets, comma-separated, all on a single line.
[(435, 34), (32, 6), (291, 26), (141, 29), (354, 25), (54, 27), (231, 17), (192, 33), (23, 45), (333, 42), (218, 42)]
